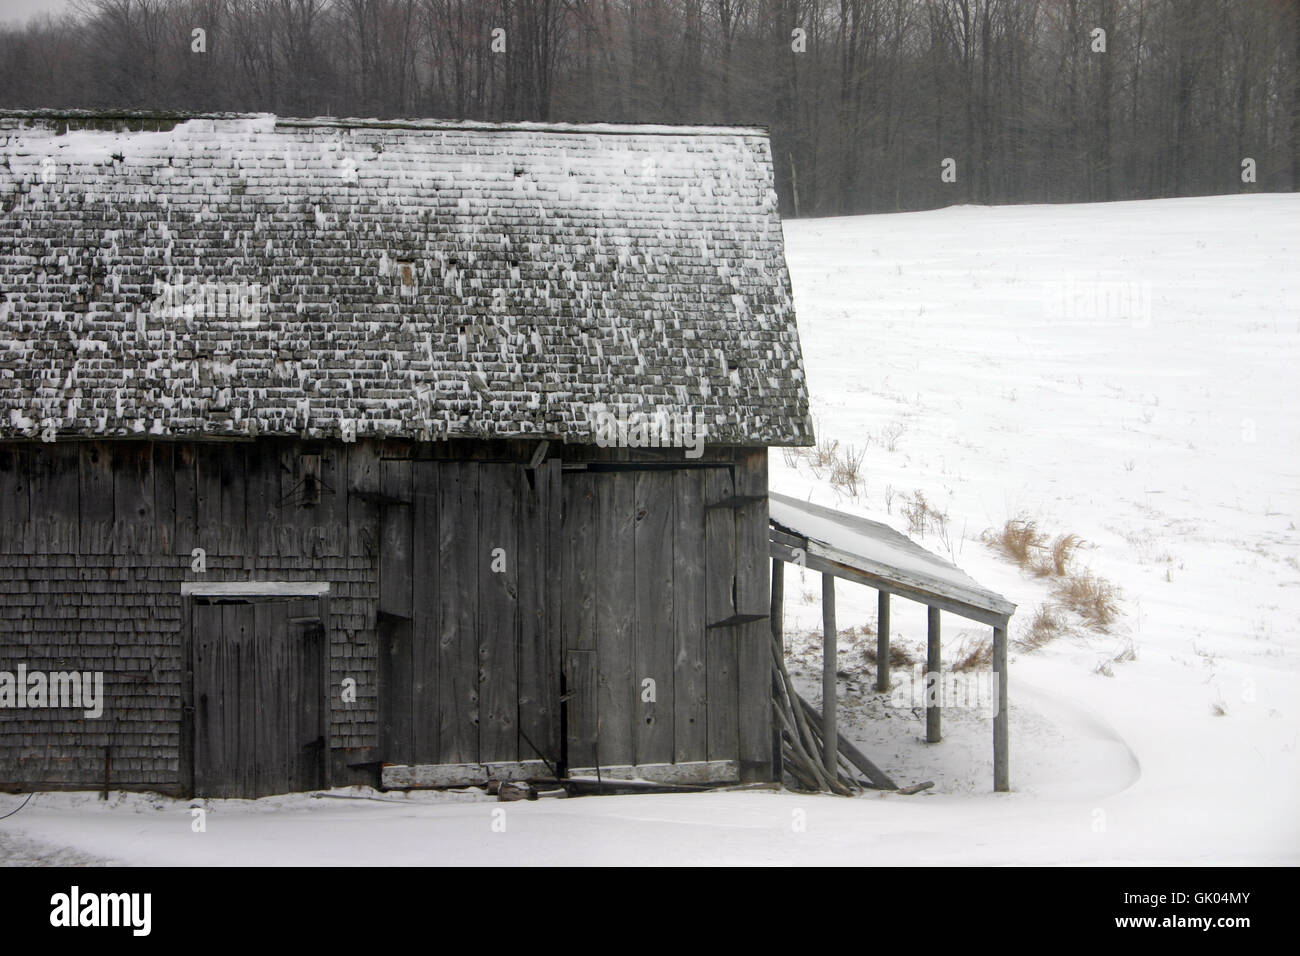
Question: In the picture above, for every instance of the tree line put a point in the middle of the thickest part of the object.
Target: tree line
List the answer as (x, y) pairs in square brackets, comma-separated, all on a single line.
[(873, 105)]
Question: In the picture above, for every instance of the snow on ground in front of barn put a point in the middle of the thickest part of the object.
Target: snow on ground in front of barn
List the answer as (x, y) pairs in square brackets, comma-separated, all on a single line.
[(961, 351)]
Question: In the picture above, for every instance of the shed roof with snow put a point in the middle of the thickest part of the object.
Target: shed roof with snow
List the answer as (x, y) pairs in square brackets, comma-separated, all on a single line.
[(230, 274), (875, 554)]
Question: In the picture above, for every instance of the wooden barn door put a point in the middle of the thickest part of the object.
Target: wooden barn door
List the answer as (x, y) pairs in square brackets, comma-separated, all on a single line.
[(647, 566), (463, 659), (258, 673)]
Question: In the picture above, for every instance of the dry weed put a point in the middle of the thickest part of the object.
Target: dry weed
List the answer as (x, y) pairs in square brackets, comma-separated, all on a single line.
[(974, 655), (1046, 626), (1105, 667), (1060, 555), (1019, 539), (846, 471), (823, 455), (922, 516), (899, 656), (1094, 599)]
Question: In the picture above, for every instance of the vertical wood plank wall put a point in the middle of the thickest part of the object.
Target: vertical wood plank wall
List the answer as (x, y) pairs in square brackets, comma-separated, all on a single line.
[(96, 539), (538, 564), (672, 561), (578, 604), (656, 555), (618, 667), (722, 689), (690, 651)]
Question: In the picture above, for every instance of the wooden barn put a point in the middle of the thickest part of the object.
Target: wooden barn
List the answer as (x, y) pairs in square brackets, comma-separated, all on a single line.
[(339, 445)]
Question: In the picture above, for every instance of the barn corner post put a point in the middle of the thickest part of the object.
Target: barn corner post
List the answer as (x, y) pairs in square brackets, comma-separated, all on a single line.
[(1001, 713), (754, 661)]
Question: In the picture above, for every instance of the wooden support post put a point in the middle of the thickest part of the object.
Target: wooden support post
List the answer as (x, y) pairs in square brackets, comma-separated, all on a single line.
[(1001, 772), (829, 653), (932, 680), (777, 619), (882, 641)]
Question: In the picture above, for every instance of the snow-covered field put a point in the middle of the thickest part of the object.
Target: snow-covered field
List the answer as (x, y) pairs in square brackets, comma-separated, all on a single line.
[(1124, 372)]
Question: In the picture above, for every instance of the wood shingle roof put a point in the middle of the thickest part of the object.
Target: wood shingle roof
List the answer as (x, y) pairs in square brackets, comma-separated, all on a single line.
[(248, 274)]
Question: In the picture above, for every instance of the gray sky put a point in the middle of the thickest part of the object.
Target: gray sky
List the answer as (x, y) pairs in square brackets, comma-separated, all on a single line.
[(16, 11)]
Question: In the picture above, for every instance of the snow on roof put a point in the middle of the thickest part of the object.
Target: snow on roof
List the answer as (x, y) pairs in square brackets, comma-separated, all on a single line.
[(246, 274), (880, 551)]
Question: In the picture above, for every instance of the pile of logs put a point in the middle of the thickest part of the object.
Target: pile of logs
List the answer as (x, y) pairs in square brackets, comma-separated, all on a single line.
[(803, 749)]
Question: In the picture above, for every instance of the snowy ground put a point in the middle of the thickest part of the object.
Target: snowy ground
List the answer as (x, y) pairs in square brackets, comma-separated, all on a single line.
[(1124, 372)]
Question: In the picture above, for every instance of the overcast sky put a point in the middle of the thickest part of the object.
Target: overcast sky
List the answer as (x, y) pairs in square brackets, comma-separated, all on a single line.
[(12, 11)]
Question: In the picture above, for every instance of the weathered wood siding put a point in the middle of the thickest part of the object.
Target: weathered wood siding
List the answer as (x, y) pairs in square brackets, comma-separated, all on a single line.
[(612, 576), (257, 697), (95, 541), (656, 575), (467, 663)]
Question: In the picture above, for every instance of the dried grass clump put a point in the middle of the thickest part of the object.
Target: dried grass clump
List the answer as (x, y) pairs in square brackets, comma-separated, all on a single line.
[(1046, 626), (1062, 553), (974, 655), (1023, 542), (1094, 599), (858, 632), (1019, 539), (898, 656)]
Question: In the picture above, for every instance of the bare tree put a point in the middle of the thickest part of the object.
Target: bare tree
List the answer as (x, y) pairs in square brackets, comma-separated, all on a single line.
[(861, 110)]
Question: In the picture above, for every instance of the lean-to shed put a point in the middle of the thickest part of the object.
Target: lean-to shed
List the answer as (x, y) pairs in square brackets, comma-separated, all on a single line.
[(336, 444)]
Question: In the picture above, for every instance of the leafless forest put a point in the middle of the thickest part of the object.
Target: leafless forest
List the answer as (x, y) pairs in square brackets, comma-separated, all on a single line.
[(865, 98)]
